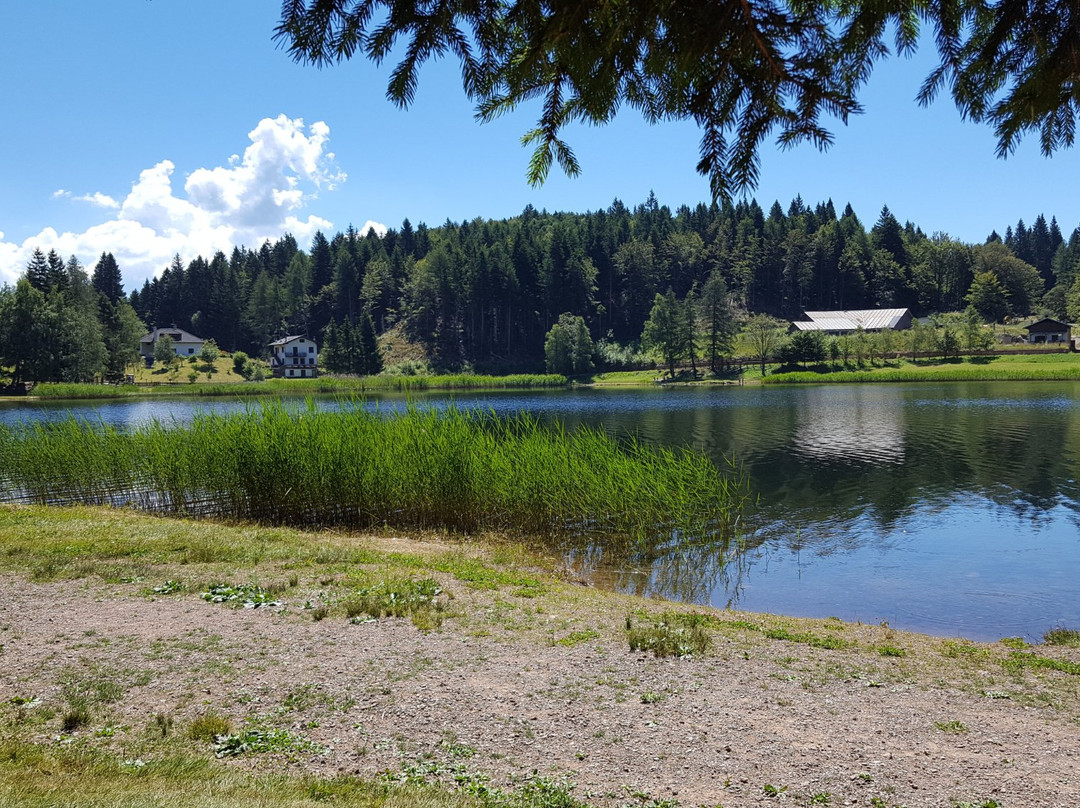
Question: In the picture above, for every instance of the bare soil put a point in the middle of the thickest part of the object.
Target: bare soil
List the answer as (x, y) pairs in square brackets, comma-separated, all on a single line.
[(510, 684)]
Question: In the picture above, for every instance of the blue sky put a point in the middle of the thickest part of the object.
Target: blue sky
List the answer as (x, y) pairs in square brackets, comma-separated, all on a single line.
[(153, 127)]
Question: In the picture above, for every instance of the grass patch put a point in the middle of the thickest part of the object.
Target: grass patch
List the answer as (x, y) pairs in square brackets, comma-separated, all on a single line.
[(208, 726), (806, 638), (577, 637), (33, 776), (326, 385), (1018, 660), (418, 600)]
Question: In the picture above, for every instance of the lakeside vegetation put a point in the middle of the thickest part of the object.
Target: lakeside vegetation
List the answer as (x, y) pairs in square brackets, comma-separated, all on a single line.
[(326, 385), (1019, 367), (450, 469)]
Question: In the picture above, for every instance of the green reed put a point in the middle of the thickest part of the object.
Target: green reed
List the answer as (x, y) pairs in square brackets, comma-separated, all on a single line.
[(457, 470)]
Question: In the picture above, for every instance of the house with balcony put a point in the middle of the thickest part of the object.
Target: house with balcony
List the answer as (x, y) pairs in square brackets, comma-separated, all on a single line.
[(294, 357)]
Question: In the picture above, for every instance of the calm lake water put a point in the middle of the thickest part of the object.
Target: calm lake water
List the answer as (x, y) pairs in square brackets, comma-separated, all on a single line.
[(952, 509)]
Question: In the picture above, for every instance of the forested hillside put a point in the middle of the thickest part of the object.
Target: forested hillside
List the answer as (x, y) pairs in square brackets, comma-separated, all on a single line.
[(486, 293)]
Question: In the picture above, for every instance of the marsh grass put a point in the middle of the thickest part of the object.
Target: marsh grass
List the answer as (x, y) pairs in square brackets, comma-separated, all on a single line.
[(452, 470)]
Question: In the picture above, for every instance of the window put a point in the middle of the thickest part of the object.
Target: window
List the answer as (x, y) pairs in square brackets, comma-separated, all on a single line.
[(311, 349), (191, 350)]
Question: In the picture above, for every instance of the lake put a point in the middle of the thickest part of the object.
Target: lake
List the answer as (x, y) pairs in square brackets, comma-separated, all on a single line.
[(951, 509)]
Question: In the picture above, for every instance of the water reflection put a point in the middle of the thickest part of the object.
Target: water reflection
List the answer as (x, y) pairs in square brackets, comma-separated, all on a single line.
[(948, 508), (862, 427)]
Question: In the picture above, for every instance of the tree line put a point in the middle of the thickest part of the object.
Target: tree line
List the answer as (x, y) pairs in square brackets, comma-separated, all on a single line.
[(487, 293)]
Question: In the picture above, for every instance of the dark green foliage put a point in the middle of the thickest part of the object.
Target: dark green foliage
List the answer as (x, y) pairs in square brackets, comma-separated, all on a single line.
[(484, 295), (670, 330), (804, 347), (352, 348), (739, 70), (568, 347)]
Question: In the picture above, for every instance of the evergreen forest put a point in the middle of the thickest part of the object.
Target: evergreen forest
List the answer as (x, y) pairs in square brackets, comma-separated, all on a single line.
[(486, 294)]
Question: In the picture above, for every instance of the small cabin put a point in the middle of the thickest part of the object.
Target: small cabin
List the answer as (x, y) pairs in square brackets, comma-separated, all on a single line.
[(294, 357), (1048, 330)]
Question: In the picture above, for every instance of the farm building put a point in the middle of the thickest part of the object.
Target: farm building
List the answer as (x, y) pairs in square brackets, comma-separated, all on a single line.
[(1048, 330), (847, 322)]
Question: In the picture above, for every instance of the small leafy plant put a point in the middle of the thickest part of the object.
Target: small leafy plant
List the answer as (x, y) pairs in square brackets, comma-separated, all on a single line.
[(951, 727), (246, 596), (256, 740)]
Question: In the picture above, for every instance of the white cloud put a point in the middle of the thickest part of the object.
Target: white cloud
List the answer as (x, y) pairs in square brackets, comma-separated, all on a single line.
[(257, 196), (379, 228), (100, 200)]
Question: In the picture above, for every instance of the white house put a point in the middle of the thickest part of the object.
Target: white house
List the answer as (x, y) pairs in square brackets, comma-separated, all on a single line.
[(184, 344), (294, 357)]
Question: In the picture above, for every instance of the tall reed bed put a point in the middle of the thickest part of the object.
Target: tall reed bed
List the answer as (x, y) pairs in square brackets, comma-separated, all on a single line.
[(303, 387), (73, 390), (364, 384), (455, 469)]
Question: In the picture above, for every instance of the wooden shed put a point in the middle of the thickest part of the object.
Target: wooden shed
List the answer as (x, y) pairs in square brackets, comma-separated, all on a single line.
[(1048, 330)]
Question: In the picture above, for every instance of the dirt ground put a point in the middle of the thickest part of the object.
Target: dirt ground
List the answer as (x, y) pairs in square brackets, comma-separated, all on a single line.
[(509, 685)]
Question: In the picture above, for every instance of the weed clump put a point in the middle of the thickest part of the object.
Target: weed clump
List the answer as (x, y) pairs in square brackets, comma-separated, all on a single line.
[(256, 740), (674, 634), (418, 600), (208, 726)]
